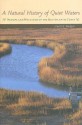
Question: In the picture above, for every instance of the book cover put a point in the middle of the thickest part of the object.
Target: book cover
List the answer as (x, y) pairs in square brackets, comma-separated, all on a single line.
[(40, 62)]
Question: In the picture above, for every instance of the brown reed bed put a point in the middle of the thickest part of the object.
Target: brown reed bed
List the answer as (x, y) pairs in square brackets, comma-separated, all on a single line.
[(27, 105), (58, 69), (33, 107), (76, 117)]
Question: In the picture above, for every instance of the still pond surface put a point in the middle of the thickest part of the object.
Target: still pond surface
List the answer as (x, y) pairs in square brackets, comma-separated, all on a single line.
[(19, 70)]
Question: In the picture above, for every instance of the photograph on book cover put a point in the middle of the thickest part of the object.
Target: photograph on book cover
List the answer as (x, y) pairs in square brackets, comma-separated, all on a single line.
[(40, 63)]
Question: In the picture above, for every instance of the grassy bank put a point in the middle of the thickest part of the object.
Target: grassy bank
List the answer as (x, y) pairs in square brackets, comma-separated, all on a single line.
[(5, 48), (27, 107), (59, 68), (34, 108)]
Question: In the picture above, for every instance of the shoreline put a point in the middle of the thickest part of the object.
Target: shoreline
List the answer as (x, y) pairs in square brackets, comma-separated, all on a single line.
[(5, 49)]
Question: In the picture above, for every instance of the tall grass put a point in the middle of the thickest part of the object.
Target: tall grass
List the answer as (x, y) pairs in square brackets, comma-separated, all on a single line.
[(57, 70), (23, 105), (76, 117)]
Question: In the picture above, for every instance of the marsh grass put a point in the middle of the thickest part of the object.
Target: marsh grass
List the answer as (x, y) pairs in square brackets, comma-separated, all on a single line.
[(76, 117), (24, 105), (58, 69), (27, 105), (64, 67)]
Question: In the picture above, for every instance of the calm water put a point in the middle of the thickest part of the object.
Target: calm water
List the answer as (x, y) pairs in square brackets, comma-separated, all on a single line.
[(19, 70)]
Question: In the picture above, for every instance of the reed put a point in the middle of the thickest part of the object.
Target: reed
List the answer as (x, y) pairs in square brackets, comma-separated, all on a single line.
[(56, 70), (24, 105)]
